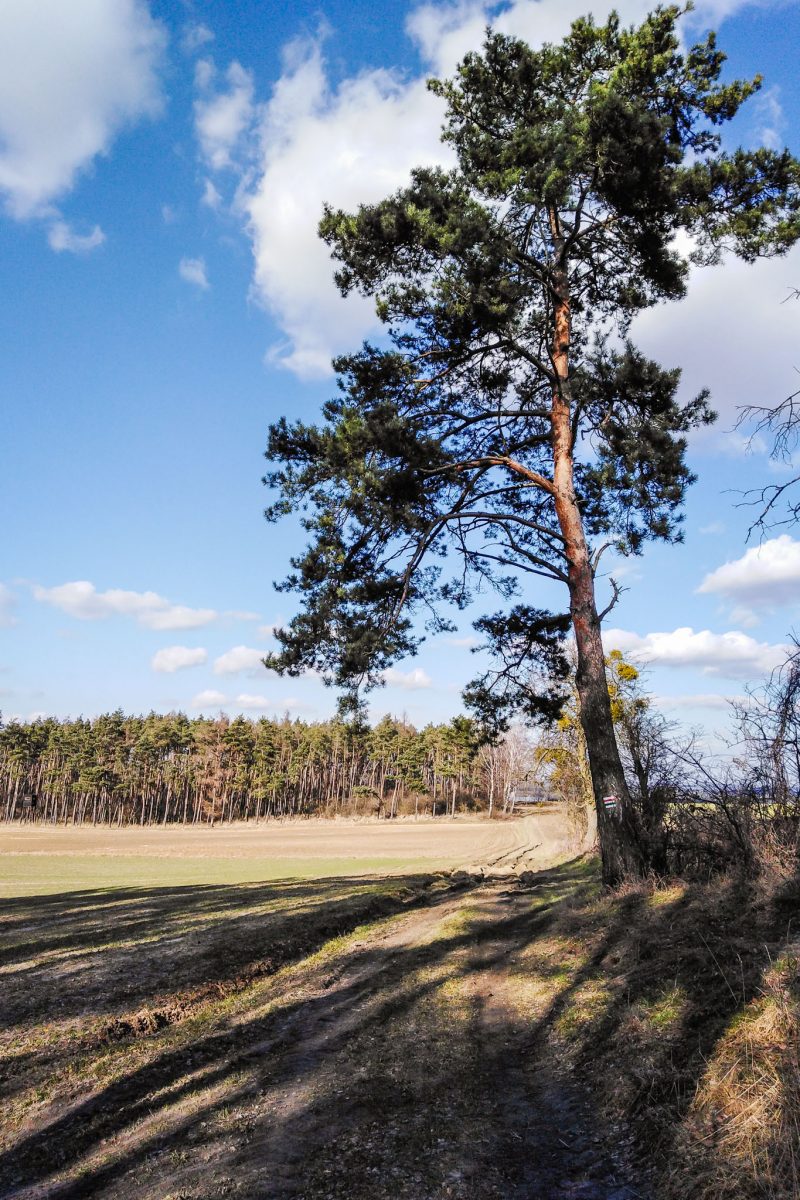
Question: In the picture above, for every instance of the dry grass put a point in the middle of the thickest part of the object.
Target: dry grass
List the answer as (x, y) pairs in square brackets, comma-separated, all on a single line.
[(154, 1032), (680, 1004), (741, 1137)]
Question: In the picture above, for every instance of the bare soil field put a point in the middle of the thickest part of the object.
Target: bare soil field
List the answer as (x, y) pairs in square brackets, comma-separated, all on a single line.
[(42, 858)]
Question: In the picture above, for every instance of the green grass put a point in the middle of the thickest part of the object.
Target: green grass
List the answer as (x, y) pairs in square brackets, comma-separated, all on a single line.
[(50, 874)]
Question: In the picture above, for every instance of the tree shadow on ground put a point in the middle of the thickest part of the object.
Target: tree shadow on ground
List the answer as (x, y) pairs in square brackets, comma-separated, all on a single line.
[(96, 952), (389, 1070)]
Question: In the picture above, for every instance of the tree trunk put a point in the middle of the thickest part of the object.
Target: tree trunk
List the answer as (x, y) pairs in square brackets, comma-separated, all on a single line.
[(620, 848)]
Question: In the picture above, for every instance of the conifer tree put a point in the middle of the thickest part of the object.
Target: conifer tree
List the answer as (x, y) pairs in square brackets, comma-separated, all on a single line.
[(508, 428)]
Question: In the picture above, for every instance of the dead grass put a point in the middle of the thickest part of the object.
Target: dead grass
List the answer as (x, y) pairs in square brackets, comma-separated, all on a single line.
[(405, 1028), (741, 1136), (681, 1005)]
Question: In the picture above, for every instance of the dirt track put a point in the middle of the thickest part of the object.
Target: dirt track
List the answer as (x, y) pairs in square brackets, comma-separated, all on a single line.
[(407, 1063)]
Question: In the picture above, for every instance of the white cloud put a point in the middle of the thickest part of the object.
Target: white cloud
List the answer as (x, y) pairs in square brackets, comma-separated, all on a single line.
[(263, 704), (71, 77), (345, 145), (712, 700), (194, 37), (765, 577), (444, 33), (62, 237), (463, 643), (193, 270), (8, 602), (240, 658), (211, 196), (208, 699), (82, 600), (733, 655), (168, 214), (712, 528), (410, 681), (267, 631), (729, 310), (204, 73), (356, 141), (769, 111), (175, 658), (221, 120)]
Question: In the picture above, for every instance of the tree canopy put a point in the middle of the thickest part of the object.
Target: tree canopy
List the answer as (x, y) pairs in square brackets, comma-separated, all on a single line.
[(508, 427)]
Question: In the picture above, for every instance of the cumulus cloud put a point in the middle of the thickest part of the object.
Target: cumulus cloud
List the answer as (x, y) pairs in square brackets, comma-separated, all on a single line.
[(355, 141), (62, 237), (345, 145), (176, 658), (81, 599), (71, 77), (732, 655), (222, 118), (240, 659), (765, 577), (410, 681), (8, 602), (193, 270), (208, 699)]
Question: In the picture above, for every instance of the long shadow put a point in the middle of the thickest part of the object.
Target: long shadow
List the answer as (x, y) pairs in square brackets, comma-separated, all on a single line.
[(226, 1057), (108, 956), (96, 917), (410, 1105), (710, 949)]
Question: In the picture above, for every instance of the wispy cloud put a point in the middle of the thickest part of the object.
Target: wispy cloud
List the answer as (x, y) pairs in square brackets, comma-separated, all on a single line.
[(194, 37), (223, 117), (193, 270), (62, 237), (8, 604)]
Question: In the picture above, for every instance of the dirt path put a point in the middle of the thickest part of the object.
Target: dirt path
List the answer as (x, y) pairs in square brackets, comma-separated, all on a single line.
[(406, 1062), (404, 1070)]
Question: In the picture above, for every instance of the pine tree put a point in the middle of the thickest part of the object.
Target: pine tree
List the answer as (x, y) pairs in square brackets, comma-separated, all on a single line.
[(510, 423)]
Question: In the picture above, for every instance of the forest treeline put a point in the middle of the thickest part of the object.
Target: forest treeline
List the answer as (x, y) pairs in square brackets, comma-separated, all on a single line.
[(158, 769)]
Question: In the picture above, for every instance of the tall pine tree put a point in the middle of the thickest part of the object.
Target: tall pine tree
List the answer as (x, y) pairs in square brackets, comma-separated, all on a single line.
[(510, 424)]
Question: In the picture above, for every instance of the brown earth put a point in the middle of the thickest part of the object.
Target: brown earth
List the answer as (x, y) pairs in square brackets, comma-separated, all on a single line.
[(346, 1040), (455, 842)]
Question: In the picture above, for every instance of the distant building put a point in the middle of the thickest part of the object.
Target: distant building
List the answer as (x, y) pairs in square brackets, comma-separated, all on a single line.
[(529, 793)]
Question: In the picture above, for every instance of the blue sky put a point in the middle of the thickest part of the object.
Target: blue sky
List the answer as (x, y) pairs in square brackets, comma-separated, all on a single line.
[(164, 297)]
